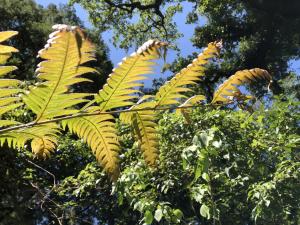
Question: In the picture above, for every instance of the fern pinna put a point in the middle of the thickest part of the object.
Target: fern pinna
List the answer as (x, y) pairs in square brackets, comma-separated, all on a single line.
[(55, 105)]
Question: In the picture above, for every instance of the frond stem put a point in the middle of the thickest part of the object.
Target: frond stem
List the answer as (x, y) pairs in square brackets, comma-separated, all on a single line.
[(37, 123)]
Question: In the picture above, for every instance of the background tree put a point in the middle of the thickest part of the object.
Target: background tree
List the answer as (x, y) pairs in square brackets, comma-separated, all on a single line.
[(262, 34)]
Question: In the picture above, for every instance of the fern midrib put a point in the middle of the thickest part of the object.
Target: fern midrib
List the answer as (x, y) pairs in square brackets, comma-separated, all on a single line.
[(103, 139), (115, 89), (58, 81)]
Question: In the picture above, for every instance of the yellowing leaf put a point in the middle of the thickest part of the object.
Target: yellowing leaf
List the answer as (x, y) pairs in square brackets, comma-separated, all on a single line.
[(4, 35), (100, 134), (66, 50), (229, 88), (43, 146)]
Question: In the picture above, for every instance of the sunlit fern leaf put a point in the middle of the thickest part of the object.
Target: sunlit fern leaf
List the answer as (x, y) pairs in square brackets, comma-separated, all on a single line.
[(43, 146), (99, 132), (169, 94), (175, 89), (142, 118), (4, 123), (9, 90), (66, 51), (121, 86), (19, 137), (229, 88), (144, 124)]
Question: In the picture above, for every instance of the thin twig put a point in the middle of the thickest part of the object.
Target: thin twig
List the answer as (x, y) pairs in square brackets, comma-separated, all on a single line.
[(83, 114)]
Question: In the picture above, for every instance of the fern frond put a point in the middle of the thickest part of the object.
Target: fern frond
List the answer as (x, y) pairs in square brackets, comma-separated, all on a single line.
[(229, 88), (66, 51), (173, 90), (99, 133), (145, 128), (144, 125), (144, 122), (9, 90), (42, 134), (120, 89)]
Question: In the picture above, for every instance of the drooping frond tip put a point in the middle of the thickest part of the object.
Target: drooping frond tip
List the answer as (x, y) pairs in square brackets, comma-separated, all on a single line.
[(229, 88), (42, 147)]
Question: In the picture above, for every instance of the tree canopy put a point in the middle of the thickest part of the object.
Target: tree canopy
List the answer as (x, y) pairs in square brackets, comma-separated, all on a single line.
[(262, 34)]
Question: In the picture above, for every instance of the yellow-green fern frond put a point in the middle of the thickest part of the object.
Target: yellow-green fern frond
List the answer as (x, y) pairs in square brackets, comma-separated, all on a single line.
[(142, 118), (18, 138), (121, 86), (66, 51), (99, 133), (169, 93), (144, 124), (9, 90), (229, 89), (174, 89)]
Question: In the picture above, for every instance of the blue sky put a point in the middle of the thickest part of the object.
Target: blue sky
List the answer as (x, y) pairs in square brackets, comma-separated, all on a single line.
[(116, 55), (183, 43)]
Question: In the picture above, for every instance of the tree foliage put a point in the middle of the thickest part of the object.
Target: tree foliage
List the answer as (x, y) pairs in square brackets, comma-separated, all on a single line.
[(259, 33)]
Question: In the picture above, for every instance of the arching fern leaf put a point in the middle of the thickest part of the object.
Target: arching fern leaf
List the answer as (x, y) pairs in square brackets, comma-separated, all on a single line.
[(66, 51), (41, 137), (170, 93), (99, 133), (144, 125), (229, 88)]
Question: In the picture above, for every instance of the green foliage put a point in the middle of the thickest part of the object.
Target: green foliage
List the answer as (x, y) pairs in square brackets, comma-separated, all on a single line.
[(228, 167)]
